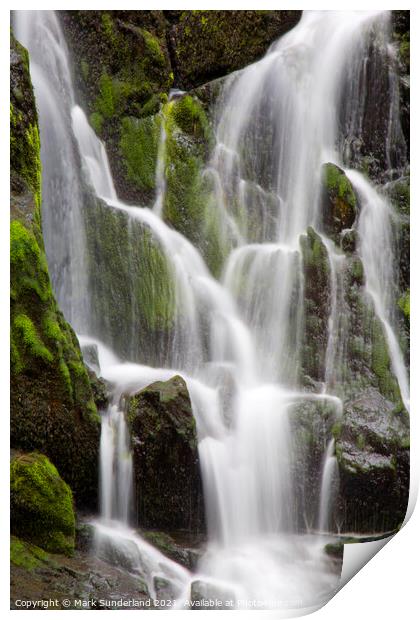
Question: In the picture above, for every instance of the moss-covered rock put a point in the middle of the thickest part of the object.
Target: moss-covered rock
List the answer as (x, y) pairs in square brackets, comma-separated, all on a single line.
[(52, 407), (122, 67), (137, 281), (167, 475), (317, 299), (26, 555), (209, 44), (338, 201), (41, 504)]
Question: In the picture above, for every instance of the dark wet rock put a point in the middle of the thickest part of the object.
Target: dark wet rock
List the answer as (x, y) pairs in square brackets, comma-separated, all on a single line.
[(348, 241), (338, 201), (164, 589), (90, 356), (209, 44), (335, 551), (169, 493), (373, 457), (37, 575), (205, 595), (316, 269), (185, 550), (85, 533)]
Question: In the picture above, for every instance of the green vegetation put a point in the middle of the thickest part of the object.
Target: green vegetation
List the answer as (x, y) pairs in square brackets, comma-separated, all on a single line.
[(381, 364), (404, 304), (41, 504), (139, 146), (26, 555), (338, 184)]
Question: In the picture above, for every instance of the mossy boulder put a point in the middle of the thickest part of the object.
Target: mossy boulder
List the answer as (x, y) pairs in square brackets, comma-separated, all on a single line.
[(338, 201), (122, 69), (209, 44), (169, 493), (317, 300), (41, 504), (52, 406), (372, 450)]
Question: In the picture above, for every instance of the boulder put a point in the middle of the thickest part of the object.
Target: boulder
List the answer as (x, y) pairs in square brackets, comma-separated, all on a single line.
[(168, 485), (372, 450), (41, 504)]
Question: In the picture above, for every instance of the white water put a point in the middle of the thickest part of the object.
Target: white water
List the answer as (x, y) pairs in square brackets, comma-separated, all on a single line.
[(247, 461), (377, 252), (328, 487)]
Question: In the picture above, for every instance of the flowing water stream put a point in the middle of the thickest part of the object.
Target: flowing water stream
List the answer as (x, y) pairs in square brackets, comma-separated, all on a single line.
[(278, 123)]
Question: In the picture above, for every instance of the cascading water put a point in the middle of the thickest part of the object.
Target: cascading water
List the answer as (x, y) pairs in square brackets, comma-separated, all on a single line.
[(278, 125)]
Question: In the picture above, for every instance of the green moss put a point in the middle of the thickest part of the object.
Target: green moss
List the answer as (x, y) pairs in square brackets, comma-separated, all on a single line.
[(25, 152), (153, 48), (27, 333), (41, 504), (107, 100), (139, 145), (404, 304), (338, 184), (381, 364), (97, 122), (336, 430), (25, 555), (190, 117)]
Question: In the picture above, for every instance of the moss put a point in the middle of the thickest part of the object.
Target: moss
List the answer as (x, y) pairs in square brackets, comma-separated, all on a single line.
[(190, 117), (107, 98), (153, 48), (404, 304), (24, 329), (25, 555), (139, 145), (337, 183), (338, 201), (381, 364), (41, 504), (97, 122)]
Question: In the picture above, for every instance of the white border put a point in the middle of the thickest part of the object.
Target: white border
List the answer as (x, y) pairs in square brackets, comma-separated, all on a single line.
[(387, 586)]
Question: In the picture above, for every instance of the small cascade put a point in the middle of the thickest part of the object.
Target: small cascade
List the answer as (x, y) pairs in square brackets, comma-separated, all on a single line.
[(375, 231), (160, 177), (328, 492)]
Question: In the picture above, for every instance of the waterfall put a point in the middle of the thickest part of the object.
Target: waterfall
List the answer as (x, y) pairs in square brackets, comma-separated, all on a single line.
[(278, 124), (62, 199)]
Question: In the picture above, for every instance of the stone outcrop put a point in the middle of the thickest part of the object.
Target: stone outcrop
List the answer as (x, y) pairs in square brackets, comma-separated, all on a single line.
[(52, 404), (373, 457), (168, 485)]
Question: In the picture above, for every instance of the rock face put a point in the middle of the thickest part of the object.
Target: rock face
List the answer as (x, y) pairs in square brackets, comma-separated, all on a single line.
[(209, 44), (168, 483), (52, 405), (316, 270), (338, 201), (373, 458), (125, 63), (41, 504)]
